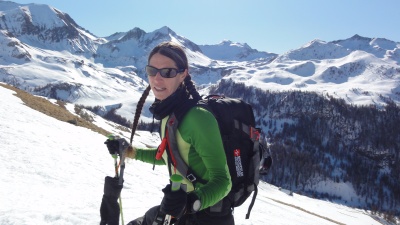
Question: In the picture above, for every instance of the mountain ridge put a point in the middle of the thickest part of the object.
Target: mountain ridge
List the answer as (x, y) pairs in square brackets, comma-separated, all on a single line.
[(127, 52)]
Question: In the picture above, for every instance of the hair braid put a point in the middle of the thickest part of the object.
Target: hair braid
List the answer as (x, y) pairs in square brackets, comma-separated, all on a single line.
[(139, 108), (191, 88)]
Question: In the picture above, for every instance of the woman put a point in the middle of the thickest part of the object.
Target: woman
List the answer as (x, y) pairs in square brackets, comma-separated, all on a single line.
[(199, 142)]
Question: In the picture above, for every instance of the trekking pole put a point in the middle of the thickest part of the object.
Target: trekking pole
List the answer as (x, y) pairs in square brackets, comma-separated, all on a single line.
[(121, 181), (175, 185), (119, 175)]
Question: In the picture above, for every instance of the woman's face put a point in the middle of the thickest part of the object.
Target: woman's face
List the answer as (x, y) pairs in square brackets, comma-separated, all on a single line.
[(164, 87)]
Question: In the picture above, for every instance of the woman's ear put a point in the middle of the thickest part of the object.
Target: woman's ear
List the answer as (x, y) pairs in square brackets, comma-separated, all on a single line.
[(183, 75)]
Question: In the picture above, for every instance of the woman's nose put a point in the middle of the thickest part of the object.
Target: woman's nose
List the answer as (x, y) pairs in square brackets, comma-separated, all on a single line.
[(158, 76)]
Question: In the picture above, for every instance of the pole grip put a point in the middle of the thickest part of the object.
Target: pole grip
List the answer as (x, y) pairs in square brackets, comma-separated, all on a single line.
[(176, 181)]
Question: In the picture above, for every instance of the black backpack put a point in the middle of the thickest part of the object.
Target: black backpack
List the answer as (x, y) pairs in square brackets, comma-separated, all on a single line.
[(241, 143)]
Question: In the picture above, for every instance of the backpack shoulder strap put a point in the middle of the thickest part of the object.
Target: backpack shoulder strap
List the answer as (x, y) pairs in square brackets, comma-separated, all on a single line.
[(173, 151)]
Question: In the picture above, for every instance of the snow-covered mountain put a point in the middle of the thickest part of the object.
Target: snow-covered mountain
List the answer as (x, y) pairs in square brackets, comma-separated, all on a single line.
[(359, 70), (231, 51), (39, 40), (46, 27)]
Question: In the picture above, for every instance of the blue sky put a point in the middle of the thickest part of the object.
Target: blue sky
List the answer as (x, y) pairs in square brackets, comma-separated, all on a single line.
[(275, 26)]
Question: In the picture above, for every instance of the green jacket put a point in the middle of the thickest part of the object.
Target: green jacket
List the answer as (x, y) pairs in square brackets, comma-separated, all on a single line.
[(200, 145)]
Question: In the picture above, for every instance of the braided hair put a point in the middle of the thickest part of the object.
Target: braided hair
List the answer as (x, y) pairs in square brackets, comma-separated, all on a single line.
[(139, 108)]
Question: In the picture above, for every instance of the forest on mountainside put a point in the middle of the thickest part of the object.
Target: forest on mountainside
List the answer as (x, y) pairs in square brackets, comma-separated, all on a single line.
[(314, 138)]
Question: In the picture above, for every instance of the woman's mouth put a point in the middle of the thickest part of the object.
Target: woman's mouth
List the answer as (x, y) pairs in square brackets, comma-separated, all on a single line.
[(159, 89)]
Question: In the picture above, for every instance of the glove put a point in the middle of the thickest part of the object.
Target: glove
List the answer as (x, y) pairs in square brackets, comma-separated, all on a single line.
[(174, 202), (116, 146), (109, 208)]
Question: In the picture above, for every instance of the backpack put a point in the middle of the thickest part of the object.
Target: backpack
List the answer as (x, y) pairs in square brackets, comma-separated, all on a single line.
[(241, 144)]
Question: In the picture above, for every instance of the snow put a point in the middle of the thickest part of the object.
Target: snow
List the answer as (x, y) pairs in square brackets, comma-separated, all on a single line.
[(233, 51), (336, 75), (39, 15), (52, 172)]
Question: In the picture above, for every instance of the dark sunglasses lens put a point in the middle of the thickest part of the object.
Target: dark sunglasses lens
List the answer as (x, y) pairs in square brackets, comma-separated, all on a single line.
[(151, 71), (168, 73)]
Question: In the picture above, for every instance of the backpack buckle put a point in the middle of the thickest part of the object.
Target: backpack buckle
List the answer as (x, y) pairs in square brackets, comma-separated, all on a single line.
[(191, 177), (255, 134)]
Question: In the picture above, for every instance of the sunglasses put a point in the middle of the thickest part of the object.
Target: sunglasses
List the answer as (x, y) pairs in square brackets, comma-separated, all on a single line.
[(164, 72)]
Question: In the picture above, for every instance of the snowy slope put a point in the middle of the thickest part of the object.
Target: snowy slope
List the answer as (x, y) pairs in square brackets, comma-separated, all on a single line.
[(52, 173)]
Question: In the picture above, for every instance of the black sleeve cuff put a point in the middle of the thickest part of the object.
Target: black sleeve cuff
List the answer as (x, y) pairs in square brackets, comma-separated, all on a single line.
[(191, 200)]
